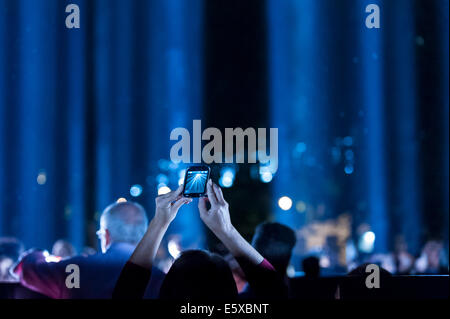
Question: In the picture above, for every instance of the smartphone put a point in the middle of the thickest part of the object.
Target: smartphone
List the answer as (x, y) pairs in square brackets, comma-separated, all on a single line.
[(195, 181)]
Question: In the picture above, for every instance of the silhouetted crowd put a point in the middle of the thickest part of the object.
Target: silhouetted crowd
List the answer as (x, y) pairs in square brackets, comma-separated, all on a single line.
[(132, 264)]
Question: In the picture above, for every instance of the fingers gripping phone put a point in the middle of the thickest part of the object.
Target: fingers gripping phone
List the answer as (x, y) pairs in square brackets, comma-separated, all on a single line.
[(195, 181)]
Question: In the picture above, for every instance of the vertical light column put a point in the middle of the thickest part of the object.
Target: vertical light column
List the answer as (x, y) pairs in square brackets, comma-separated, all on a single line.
[(175, 99), (371, 50), (297, 85), (3, 90), (104, 73), (443, 12), (403, 82), (75, 60)]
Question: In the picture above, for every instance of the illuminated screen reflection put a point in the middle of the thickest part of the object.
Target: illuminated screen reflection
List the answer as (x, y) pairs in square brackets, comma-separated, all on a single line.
[(196, 182)]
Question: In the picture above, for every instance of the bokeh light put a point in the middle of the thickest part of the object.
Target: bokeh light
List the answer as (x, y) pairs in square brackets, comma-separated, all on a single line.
[(300, 206), (163, 190), (173, 248), (265, 174), (348, 169), (367, 242), (266, 177), (41, 178), (285, 203), (136, 190), (227, 177)]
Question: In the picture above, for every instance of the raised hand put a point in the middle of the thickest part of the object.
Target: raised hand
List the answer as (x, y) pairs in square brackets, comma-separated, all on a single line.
[(217, 218), (167, 205)]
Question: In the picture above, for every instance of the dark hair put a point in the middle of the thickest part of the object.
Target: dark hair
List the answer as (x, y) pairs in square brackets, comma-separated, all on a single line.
[(275, 242), (311, 267), (199, 274)]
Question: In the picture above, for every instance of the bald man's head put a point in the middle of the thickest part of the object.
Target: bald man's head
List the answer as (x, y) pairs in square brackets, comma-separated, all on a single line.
[(122, 222)]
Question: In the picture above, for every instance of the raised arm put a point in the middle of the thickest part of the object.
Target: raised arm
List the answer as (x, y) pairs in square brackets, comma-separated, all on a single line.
[(167, 207), (217, 218), (136, 274), (260, 274)]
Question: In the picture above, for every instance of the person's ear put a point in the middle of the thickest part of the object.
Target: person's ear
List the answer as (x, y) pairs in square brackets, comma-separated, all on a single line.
[(107, 238)]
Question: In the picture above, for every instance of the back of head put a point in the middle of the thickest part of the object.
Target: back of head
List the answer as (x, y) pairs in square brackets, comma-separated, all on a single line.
[(198, 275), (275, 242), (311, 267), (126, 222), (63, 248), (355, 286)]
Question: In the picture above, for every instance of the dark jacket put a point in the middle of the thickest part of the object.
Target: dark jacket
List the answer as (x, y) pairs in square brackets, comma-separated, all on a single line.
[(98, 274)]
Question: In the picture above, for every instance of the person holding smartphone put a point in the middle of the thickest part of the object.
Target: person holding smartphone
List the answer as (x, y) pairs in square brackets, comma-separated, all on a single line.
[(198, 274)]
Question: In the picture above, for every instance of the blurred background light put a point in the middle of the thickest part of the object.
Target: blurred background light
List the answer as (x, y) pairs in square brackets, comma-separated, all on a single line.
[(52, 259), (173, 248), (227, 177), (300, 206), (348, 169), (349, 155), (347, 141), (163, 164), (299, 149), (336, 154), (136, 190), (265, 174), (41, 178), (162, 178), (324, 261), (285, 203), (121, 200), (173, 166), (266, 177), (367, 242), (163, 189)]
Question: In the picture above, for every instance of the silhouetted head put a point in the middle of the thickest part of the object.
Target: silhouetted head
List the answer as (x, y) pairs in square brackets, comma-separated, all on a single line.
[(311, 267), (362, 282), (63, 248), (124, 222), (362, 271), (198, 274), (275, 242)]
